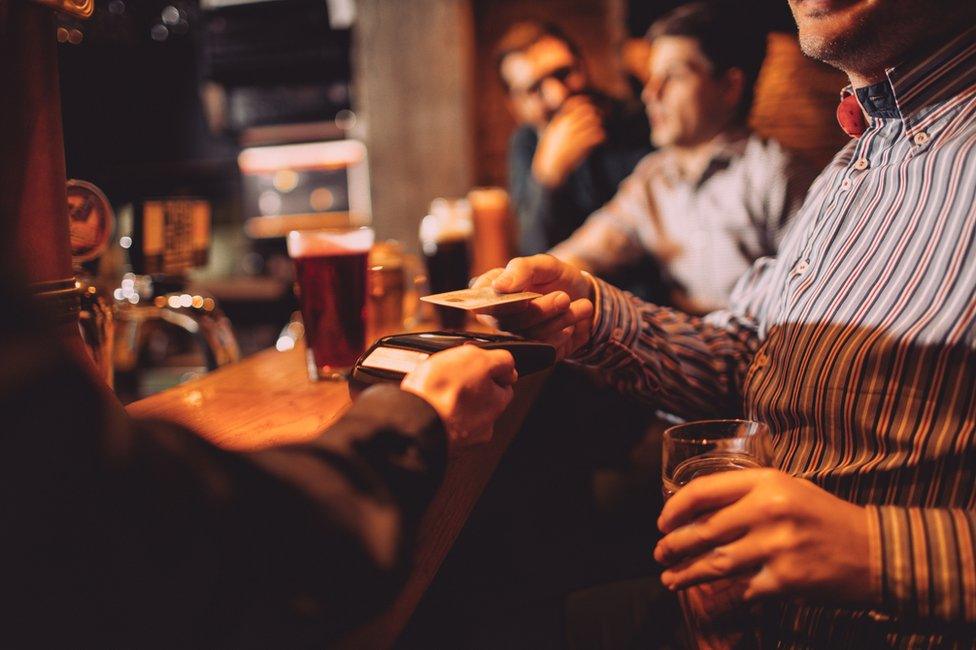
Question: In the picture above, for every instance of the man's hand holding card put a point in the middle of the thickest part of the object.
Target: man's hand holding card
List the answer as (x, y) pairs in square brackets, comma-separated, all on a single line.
[(562, 314)]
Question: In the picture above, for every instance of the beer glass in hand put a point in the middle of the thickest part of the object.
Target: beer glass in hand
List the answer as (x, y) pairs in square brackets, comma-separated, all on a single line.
[(714, 617), (330, 269)]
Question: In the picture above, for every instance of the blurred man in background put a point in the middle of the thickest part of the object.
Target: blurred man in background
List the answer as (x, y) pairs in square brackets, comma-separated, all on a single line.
[(715, 196), (573, 145)]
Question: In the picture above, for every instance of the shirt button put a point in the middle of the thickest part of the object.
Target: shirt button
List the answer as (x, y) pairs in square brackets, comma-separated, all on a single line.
[(920, 138), (861, 164), (761, 360), (617, 333), (845, 184), (801, 267)]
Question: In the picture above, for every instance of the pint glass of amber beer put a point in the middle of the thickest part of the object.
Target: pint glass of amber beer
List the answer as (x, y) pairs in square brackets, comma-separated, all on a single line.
[(330, 269)]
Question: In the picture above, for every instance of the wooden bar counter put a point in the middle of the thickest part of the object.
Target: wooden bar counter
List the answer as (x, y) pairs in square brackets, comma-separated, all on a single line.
[(267, 400)]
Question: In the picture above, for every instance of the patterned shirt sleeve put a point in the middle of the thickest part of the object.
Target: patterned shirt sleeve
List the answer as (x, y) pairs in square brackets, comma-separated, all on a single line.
[(693, 367), (924, 561)]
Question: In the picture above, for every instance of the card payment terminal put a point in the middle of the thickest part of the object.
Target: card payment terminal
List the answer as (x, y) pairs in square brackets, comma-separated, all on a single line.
[(392, 357)]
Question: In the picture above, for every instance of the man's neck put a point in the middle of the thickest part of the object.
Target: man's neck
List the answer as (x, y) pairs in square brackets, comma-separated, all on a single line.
[(694, 158), (860, 79), (876, 72)]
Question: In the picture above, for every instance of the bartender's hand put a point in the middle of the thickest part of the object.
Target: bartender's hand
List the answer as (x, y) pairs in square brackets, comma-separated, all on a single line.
[(562, 317), (567, 140), (468, 387), (774, 534)]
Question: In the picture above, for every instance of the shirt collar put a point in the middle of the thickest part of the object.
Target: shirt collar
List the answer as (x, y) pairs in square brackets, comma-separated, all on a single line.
[(922, 81), (723, 148)]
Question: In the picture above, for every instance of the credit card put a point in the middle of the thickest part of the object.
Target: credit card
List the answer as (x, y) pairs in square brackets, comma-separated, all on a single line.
[(471, 299)]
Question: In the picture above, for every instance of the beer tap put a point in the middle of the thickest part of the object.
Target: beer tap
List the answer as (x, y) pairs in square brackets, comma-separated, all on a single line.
[(90, 224), (167, 238)]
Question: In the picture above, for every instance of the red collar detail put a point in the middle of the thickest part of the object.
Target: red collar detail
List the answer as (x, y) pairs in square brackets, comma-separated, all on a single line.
[(851, 117)]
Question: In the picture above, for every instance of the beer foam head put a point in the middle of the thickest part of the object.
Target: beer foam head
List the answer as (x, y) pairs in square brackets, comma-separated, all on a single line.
[(319, 243), (488, 198), (448, 220)]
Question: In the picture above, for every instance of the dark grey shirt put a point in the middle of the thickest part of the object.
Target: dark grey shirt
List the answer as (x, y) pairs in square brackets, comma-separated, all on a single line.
[(548, 216)]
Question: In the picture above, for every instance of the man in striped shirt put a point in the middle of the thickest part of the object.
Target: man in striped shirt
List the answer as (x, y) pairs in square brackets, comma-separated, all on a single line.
[(856, 345)]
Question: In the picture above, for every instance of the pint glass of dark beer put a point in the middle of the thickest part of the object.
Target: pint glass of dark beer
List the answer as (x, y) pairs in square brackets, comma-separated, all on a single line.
[(330, 269), (445, 236)]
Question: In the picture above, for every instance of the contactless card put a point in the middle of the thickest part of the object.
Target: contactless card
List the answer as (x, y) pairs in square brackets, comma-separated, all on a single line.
[(471, 299)]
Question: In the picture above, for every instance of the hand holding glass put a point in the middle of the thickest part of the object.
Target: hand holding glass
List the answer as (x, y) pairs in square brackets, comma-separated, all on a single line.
[(712, 617)]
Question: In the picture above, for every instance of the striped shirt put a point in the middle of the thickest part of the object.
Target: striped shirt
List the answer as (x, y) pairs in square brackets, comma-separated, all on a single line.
[(706, 229), (857, 345)]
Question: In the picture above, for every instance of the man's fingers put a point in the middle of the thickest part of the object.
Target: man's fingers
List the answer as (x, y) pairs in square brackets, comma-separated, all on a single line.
[(576, 104), (578, 310), (591, 137), (504, 395), (499, 399), (705, 533), (734, 559), (501, 366), (523, 273), (551, 331), (585, 118), (488, 320), (538, 311), (584, 328), (580, 108), (486, 278), (586, 142), (584, 132), (763, 584), (582, 309), (577, 101), (705, 494)]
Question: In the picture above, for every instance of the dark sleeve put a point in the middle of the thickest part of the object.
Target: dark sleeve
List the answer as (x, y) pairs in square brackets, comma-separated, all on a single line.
[(531, 201), (115, 526)]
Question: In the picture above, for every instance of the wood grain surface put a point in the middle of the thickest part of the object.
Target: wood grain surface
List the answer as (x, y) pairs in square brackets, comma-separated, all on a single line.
[(267, 400)]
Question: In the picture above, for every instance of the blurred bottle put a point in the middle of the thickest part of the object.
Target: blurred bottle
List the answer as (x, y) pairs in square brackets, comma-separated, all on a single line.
[(385, 279), (494, 229), (445, 236)]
